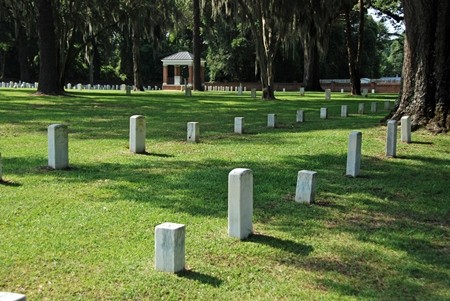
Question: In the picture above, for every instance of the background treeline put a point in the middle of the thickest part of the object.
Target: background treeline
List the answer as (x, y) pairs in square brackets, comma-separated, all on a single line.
[(98, 40)]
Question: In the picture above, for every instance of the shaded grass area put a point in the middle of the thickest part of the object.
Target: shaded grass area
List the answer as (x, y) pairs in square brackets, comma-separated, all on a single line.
[(87, 233)]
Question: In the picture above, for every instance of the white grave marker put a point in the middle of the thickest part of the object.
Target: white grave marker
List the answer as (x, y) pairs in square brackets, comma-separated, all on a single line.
[(271, 120), (58, 146), (137, 134), (323, 113), (239, 125), (170, 247), (302, 91), (306, 186), (354, 154), (6, 296), (327, 94), (300, 116), (406, 129), (193, 132), (373, 107), (391, 138), (361, 108), (344, 111), (240, 203)]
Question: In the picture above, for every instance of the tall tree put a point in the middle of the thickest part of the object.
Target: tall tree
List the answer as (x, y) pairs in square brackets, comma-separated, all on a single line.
[(48, 72), (197, 46), (314, 18), (354, 53), (270, 22), (425, 94)]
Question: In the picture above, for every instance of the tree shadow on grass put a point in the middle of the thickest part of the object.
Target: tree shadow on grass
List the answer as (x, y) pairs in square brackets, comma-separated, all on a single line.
[(4, 182), (200, 277), (282, 244)]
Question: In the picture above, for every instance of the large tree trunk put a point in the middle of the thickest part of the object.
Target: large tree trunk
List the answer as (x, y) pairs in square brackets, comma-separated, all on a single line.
[(136, 58), (354, 59), (197, 47), (311, 67), (22, 52), (426, 76), (48, 71)]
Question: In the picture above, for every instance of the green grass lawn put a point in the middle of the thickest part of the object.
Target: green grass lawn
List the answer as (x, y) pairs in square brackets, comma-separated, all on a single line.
[(87, 233)]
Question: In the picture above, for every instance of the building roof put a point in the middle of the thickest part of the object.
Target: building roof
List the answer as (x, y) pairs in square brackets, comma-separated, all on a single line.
[(180, 58)]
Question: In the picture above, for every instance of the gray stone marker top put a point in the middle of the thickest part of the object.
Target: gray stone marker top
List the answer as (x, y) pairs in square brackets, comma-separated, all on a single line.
[(240, 203), (306, 186), (6, 296)]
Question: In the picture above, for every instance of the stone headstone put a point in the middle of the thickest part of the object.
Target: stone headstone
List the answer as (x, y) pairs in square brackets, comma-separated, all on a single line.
[(239, 91), (170, 247), (391, 139), (344, 111), (387, 105), (300, 116), (342, 90), (123, 87), (323, 113), (79, 87), (365, 92), (361, 108), (137, 134), (373, 91), (128, 90), (284, 89), (327, 94), (188, 91), (271, 120), (69, 86), (253, 93), (240, 203), (193, 132), (58, 146), (406, 129), (6, 296), (239, 125), (354, 154), (373, 107), (302, 91), (306, 186)]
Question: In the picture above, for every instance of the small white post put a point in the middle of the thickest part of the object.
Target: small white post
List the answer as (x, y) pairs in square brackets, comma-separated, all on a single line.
[(391, 139), (239, 125), (306, 186), (58, 146), (327, 94), (300, 116), (170, 247), (361, 108), (137, 134), (271, 120), (7, 296), (188, 91), (354, 154), (240, 203), (193, 132), (373, 107), (344, 111), (365, 92), (406, 129), (302, 91), (323, 113)]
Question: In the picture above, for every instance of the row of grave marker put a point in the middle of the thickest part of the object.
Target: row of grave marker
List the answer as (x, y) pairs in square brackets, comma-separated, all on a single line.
[(58, 142)]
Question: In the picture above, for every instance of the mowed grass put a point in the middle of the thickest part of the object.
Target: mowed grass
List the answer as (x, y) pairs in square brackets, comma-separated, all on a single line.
[(87, 233)]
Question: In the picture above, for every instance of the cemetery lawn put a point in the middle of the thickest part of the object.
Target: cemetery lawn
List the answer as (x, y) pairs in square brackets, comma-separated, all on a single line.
[(87, 233)]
